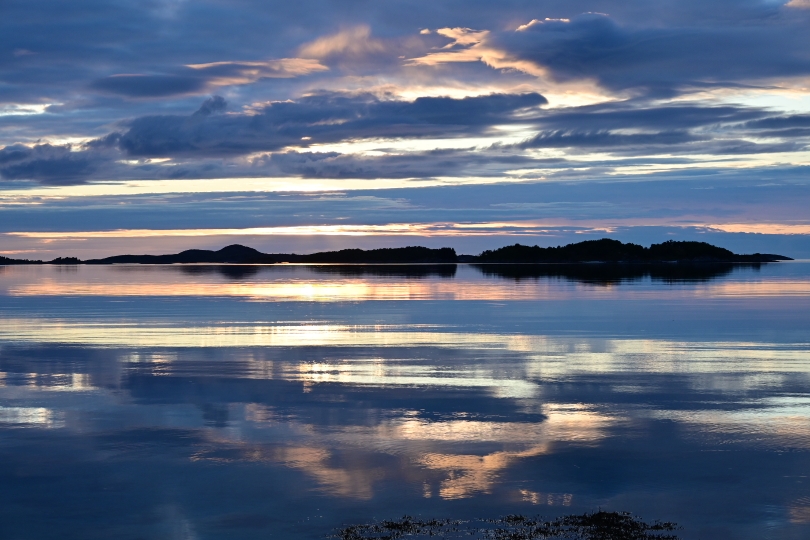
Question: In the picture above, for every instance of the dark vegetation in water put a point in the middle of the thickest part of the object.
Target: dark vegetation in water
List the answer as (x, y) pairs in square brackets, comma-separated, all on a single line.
[(604, 250), (596, 526)]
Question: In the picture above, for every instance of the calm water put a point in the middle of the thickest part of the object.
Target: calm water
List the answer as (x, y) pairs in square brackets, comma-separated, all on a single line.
[(282, 402)]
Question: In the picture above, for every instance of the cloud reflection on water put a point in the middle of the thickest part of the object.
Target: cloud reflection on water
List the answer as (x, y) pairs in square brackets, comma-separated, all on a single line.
[(292, 403), (290, 283)]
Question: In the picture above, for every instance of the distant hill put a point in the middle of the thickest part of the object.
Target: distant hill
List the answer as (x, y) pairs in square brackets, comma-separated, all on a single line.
[(605, 251), (234, 254)]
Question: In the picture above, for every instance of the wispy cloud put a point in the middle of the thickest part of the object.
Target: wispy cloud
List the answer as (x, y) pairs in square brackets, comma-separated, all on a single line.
[(199, 78), (399, 229), (234, 73), (801, 4), (474, 46), (351, 42)]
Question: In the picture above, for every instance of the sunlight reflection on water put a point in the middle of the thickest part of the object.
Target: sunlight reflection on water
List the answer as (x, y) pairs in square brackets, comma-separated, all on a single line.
[(302, 283)]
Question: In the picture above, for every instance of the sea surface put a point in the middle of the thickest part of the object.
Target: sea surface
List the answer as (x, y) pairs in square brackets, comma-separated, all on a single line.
[(232, 402)]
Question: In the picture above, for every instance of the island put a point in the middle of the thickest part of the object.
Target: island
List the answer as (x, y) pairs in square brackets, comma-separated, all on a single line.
[(589, 251), (614, 251)]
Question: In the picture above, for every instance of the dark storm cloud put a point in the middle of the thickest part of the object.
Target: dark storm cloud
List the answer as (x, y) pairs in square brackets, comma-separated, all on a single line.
[(211, 143), (660, 60), (335, 117), (212, 105), (50, 49), (46, 163), (319, 118), (149, 85), (624, 129), (325, 117), (98, 62)]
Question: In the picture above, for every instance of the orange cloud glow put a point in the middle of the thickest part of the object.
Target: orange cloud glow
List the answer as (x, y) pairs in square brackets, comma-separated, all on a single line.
[(762, 228), (228, 73), (405, 229), (356, 41)]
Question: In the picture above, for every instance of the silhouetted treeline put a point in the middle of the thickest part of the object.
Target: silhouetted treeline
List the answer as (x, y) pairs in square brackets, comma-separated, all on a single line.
[(406, 255), (237, 254), (58, 260), (606, 250), (7, 261)]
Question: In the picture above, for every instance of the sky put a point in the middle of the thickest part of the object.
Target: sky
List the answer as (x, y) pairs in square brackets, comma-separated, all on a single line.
[(153, 126)]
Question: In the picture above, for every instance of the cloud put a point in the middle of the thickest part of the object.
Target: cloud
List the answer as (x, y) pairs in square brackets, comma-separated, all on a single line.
[(270, 140), (46, 163), (642, 115), (137, 38), (627, 129), (654, 60), (321, 118), (781, 122), (605, 139), (430, 164), (751, 196), (796, 127), (200, 78), (212, 105), (315, 90), (150, 86), (229, 73), (353, 51), (200, 144), (351, 42), (469, 45), (650, 59), (659, 60)]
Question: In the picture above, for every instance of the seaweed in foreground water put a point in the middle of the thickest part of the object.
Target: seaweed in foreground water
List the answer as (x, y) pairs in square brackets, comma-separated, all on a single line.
[(595, 526)]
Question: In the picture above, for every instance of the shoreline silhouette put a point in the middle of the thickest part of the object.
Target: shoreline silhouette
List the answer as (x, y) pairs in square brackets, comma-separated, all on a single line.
[(589, 251)]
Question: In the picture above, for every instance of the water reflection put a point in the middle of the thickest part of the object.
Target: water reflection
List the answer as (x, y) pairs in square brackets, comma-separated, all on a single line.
[(391, 270), (348, 283), (40, 416), (606, 274), (172, 406)]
